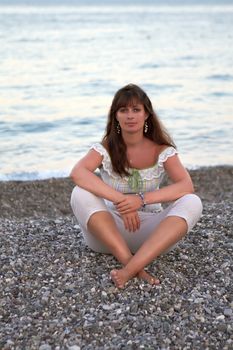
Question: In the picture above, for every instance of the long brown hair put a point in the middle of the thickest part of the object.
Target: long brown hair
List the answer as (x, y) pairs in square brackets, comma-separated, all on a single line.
[(114, 142)]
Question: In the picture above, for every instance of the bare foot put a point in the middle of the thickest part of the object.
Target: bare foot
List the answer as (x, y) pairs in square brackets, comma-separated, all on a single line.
[(119, 277), (148, 277)]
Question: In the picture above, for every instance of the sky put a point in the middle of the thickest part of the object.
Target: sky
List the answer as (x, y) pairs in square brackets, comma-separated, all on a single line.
[(134, 2)]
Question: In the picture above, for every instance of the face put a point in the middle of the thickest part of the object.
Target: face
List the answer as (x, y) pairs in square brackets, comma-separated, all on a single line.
[(132, 117)]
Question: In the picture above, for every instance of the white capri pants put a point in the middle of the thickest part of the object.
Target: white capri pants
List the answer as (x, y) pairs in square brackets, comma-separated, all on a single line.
[(84, 204)]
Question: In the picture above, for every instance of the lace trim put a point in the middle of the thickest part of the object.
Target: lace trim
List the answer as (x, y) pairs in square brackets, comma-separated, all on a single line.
[(168, 152), (100, 149), (157, 170), (146, 174), (106, 163)]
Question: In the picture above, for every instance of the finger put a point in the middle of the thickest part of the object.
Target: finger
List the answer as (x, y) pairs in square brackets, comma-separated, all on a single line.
[(120, 207), (125, 223), (138, 222), (123, 206), (124, 211), (133, 223), (129, 223)]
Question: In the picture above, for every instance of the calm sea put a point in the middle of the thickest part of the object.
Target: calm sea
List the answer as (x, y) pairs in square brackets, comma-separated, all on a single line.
[(61, 64)]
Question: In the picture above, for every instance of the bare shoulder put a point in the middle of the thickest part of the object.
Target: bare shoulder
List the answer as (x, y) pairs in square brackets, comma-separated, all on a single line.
[(149, 144), (91, 161), (93, 155), (155, 148), (163, 148), (175, 169)]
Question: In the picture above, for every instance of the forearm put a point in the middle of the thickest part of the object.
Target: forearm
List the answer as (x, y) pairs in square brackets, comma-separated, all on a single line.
[(94, 184), (170, 192)]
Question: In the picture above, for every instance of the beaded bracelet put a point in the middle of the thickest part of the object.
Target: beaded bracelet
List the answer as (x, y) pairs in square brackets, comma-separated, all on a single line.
[(141, 195)]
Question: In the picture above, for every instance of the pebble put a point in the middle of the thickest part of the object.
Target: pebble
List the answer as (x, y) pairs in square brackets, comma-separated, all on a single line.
[(220, 317), (104, 295), (57, 294), (228, 312), (45, 347), (106, 307)]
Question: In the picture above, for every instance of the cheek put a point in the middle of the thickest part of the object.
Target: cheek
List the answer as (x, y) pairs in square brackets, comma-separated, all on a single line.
[(118, 116), (144, 118)]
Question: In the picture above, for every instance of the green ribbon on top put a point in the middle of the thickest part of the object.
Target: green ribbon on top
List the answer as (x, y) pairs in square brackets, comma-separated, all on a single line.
[(135, 181)]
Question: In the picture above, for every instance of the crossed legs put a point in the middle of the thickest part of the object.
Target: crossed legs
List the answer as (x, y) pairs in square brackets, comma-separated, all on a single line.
[(92, 210), (168, 232), (102, 225)]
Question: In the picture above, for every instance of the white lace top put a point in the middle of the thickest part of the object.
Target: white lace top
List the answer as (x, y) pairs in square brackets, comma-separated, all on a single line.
[(143, 180)]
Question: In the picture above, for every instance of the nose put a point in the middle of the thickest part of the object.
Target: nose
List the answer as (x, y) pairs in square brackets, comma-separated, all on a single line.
[(130, 115)]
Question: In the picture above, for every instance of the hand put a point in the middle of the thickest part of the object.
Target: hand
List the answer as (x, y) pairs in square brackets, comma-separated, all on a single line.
[(129, 203), (131, 221)]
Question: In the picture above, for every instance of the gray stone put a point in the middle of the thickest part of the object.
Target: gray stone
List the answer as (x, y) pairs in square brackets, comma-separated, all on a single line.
[(228, 312), (56, 293), (45, 347)]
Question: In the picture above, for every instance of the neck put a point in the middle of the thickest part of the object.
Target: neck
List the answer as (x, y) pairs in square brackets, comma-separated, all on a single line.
[(133, 139)]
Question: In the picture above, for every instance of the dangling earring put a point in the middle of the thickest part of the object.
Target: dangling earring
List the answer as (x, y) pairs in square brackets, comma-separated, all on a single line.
[(145, 127), (118, 128)]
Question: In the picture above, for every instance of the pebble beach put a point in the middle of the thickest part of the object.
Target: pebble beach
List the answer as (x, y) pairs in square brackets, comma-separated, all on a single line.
[(56, 294)]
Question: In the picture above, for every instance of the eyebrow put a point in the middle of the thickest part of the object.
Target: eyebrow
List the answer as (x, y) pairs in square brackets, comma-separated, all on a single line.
[(133, 106)]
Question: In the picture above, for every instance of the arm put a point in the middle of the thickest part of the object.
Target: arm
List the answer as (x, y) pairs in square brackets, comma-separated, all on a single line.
[(83, 175), (181, 185)]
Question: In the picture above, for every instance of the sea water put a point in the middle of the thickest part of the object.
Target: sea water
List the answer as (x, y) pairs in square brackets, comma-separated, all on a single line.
[(62, 62)]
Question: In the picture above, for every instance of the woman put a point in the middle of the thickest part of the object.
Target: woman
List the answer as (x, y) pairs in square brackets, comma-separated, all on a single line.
[(121, 213)]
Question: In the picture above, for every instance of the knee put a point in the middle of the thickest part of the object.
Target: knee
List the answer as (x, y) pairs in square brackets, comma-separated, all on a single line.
[(194, 204), (84, 203), (190, 208), (74, 197), (79, 197)]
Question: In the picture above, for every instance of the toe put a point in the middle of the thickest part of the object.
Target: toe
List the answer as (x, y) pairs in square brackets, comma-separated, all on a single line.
[(156, 281)]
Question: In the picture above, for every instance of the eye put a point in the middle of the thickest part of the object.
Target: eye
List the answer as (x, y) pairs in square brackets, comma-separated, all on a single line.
[(136, 110), (122, 110)]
